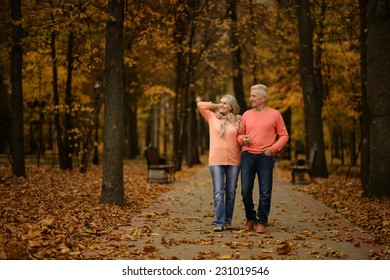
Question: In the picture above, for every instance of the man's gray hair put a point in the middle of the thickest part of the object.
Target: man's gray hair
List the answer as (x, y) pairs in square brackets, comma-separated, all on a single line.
[(261, 88)]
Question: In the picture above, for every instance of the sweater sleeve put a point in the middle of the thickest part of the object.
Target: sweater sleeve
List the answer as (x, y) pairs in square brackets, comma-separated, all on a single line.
[(205, 109), (243, 130), (282, 133)]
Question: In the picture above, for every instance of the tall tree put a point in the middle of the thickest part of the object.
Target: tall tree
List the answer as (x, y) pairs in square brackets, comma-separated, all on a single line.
[(68, 102), (238, 80), (5, 114), (312, 95), (378, 96), (56, 98), (113, 139), (181, 14), (364, 119), (18, 167)]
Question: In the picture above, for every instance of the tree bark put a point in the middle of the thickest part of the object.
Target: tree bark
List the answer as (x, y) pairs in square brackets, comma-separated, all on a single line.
[(68, 140), (312, 96), (131, 116), (94, 126), (57, 122), (364, 120), (179, 111), (17, 138), (112, 188), (190, 138), (254, 60), (238, 80), (378, 97), (5, 115)]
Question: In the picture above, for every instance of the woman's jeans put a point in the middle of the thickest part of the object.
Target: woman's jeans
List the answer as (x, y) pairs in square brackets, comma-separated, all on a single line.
[(262, 165), (224, 179)]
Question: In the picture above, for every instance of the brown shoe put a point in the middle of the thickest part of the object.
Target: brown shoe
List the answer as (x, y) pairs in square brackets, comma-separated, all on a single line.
[(261, 228), (249, 225)]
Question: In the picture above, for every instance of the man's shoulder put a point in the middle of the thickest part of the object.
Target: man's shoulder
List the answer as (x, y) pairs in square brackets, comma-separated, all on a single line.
[(273, 111)]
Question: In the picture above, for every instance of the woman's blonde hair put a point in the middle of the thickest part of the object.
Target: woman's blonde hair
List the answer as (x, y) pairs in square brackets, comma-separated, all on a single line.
[(233, 118)]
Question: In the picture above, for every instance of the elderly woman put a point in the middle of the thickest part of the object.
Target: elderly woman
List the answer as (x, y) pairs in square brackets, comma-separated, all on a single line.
[(224, 156)]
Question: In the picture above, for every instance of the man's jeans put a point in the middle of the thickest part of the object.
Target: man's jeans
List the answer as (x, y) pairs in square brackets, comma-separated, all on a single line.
[(224, 179), (262, 165)]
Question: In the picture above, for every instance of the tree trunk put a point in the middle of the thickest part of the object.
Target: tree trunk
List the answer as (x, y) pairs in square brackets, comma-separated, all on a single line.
[(180, 31), (352, 144), (287, 121), (378, 97), (131, 128), (68, 140), (112, 188), (5, 114), (95, 126), (189, 101), (41, 143), (17, 141), (238, 81), (57, 122), (254, 60), (312, 97), (364, 120), (131, 100)]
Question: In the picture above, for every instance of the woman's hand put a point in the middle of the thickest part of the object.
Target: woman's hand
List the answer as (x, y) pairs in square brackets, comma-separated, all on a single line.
[(246, 140)]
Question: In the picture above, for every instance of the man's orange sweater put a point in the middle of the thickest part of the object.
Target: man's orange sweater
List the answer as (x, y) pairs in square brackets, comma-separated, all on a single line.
[(262, 129)]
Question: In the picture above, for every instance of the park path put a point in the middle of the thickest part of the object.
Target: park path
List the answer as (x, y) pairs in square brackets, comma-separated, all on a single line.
[(179, 226)]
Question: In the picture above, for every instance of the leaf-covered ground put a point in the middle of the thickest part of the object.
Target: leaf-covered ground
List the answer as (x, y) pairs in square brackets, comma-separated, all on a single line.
[(54, 214), (345, 197)]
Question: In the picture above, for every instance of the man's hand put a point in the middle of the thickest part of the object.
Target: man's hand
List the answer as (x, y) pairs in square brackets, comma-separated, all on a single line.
[(268, 152)]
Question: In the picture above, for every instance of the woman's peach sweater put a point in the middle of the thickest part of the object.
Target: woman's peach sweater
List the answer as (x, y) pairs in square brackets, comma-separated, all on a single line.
[(223, 150)]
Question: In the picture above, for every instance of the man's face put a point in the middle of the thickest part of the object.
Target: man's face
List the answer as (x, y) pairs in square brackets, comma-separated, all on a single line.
[(256, 99)]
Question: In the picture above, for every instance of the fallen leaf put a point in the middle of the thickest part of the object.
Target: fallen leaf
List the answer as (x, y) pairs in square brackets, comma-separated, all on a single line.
[(285, 250)]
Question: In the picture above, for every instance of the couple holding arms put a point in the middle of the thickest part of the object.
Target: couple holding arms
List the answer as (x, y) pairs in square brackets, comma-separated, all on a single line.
[(244, 143)]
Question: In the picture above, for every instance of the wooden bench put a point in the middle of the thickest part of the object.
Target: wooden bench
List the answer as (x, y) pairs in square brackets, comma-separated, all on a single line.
[(159, 171), (304, 167)]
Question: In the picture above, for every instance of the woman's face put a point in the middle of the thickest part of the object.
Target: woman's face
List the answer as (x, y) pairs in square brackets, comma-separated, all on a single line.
[(224, 106)]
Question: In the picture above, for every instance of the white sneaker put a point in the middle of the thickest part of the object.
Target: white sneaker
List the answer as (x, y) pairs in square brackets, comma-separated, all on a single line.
[(218, 228)]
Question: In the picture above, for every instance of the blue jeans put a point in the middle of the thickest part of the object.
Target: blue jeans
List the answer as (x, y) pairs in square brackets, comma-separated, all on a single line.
[(262, 165), (224, 179)]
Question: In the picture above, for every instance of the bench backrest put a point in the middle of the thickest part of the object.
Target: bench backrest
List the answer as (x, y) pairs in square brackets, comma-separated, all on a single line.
[(151, 155)]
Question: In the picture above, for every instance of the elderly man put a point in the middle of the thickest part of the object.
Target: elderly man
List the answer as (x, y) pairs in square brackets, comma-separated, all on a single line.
[(261, 125)]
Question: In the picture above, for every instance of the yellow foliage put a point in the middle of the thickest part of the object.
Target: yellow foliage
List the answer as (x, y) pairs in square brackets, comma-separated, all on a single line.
[(154, 93)]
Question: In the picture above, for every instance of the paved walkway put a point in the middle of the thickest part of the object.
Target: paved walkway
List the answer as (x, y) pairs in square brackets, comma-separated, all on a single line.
[(179, 226)]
